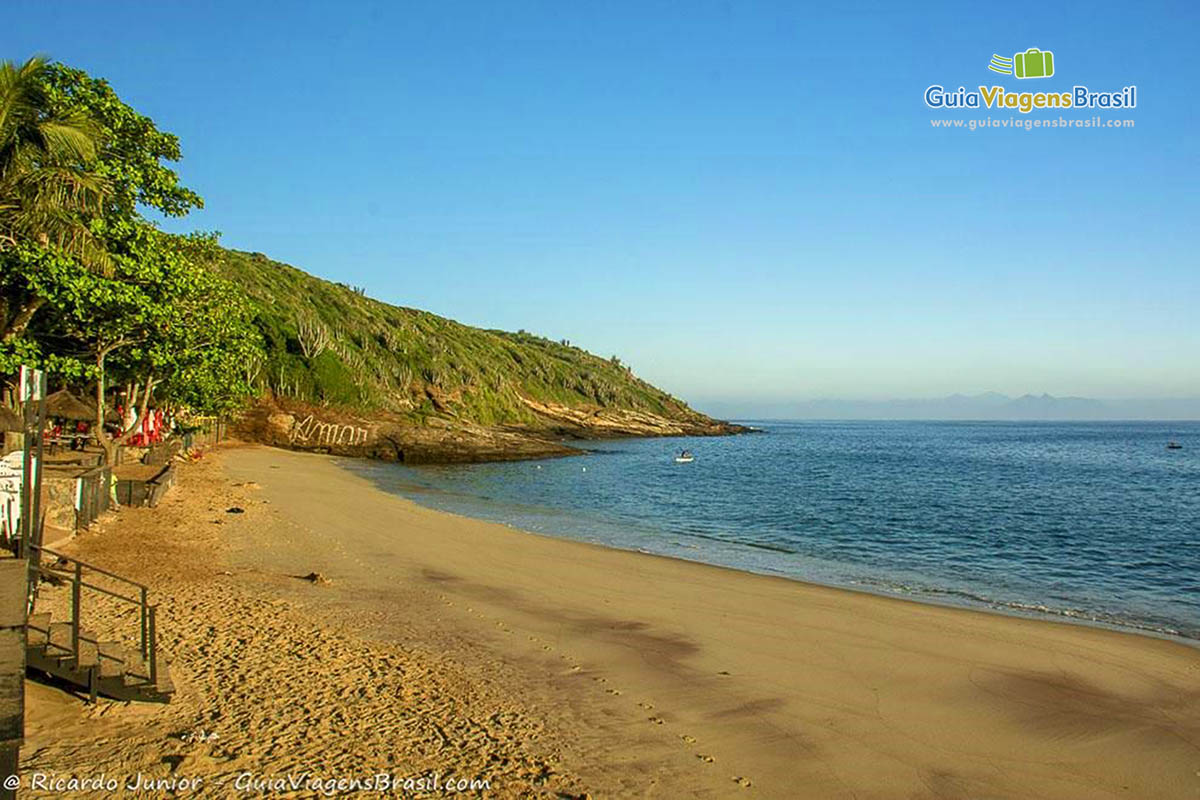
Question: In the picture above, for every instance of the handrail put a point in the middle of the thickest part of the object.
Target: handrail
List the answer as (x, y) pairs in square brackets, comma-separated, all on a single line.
[(86, 565), (66, 576), (149, 647)]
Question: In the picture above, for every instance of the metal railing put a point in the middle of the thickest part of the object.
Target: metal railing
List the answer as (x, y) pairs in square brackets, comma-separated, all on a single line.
[(75, 575), (206, 432), (95, 495)]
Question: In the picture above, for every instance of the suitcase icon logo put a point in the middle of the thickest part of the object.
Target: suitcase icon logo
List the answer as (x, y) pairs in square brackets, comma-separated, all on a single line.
[(1033, 63)]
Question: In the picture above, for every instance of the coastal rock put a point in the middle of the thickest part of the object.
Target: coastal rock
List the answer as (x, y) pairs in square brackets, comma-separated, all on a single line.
[(281, 422), (442, 439)]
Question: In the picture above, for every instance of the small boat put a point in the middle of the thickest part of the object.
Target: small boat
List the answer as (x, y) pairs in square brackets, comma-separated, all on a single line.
[(1174, 446), (684, 457)]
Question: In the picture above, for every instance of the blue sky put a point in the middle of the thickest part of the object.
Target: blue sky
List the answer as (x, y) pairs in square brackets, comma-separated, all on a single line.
[(745, 201)]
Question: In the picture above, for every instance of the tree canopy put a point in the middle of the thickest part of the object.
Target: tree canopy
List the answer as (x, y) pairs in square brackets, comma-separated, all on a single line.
[(130, 158), (50, 185), (134, 305)]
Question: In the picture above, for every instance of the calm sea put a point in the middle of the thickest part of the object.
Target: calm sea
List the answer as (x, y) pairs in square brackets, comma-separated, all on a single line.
[(1092, 521)]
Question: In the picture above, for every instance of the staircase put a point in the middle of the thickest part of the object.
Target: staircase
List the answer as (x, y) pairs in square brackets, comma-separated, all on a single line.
[(74, 654)]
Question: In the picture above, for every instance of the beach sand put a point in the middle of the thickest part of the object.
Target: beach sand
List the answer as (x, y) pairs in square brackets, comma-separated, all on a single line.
[(453, 646)]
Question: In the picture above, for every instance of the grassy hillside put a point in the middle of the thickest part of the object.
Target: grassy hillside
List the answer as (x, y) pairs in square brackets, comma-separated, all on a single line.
[(328, 343)]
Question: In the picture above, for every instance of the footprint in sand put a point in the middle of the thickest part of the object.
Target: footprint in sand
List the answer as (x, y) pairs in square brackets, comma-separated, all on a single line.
[(688, 739), (613, 691), (646, 706), (704, 758), (656, 720), (740, 781)]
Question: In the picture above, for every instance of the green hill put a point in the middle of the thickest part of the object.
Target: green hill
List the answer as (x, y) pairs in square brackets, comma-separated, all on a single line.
[(329, 345)]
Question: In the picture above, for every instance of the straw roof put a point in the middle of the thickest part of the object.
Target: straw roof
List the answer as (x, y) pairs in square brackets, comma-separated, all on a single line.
[(10, 420), (67, 406)]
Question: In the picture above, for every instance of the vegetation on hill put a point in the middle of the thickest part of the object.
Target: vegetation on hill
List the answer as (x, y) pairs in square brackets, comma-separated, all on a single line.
[(105, 302), (328, 343)]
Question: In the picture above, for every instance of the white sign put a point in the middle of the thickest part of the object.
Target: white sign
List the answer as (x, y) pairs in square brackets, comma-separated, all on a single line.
[(10, 495)]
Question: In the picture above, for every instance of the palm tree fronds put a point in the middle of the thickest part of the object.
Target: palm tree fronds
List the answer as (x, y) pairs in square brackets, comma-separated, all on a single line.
[(46, 189)]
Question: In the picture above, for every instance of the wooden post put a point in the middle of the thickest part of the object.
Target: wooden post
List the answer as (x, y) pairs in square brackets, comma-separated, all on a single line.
[(153, 649), (26, 477), (76, 597), (35, 524), (145, 627)]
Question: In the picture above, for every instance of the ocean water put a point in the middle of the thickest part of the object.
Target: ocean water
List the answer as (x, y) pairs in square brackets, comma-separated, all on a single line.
[(1090, 521)]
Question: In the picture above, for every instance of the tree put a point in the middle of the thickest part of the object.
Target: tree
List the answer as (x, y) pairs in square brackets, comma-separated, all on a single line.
[(156, 316), (49, 190), (133, 150), (161, 320), (198, 351), (98, 156)]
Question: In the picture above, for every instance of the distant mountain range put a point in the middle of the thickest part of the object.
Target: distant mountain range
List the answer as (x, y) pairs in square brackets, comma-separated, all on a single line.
[(987, 406)]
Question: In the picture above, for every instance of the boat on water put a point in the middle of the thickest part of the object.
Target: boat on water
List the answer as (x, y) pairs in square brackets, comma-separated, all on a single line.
[(684, 457), (1174, 446)]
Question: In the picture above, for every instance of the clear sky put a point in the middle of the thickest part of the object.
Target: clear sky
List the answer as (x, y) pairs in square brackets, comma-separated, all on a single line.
[(745, 201)]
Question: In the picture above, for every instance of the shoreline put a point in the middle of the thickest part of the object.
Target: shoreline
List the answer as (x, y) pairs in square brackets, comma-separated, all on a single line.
[(775, 680), (925, 596), (553, 665)]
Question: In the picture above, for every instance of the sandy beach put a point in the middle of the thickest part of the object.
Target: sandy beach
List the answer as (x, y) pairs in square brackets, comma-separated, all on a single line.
[(452, 647)]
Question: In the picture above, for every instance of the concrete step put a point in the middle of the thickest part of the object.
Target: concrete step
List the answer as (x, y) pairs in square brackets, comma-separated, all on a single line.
[(136, 668), (165, 685), (112, 659), (60, 640), (37, 628), (89, 650), (137, 680)]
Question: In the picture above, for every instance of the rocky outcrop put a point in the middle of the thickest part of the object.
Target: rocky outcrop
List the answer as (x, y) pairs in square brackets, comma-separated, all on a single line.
[(442, 440), (431, 441), (599, 423)]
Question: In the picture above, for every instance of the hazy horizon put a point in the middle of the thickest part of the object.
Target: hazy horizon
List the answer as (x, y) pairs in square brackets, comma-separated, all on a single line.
[(985, 406)]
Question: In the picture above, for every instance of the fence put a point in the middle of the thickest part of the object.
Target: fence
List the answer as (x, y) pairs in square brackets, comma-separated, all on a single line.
[(93, 495), (140, 492), (206, 432)]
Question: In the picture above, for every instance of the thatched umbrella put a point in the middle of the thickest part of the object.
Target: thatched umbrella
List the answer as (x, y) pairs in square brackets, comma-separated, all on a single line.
[(65, 405), (10, 420)]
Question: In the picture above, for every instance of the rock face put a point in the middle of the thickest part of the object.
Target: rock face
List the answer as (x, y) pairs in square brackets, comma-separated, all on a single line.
[(442, 440), (602, 423)]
